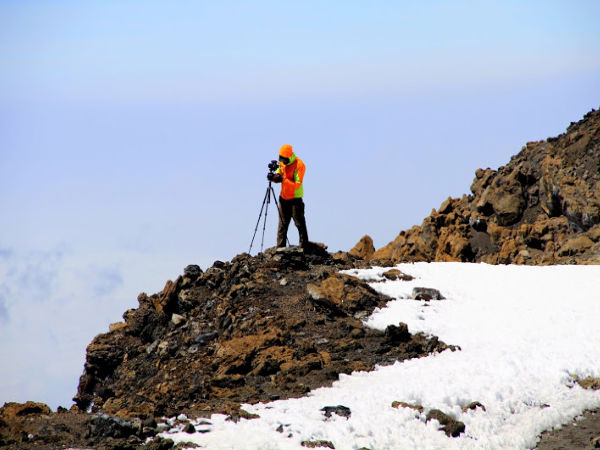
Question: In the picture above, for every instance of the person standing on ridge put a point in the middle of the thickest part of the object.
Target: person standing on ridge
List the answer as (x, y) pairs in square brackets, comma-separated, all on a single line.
[(290, 174)]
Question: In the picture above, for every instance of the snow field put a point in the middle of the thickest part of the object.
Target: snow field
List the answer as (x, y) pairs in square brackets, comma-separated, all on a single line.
[(523, 332)]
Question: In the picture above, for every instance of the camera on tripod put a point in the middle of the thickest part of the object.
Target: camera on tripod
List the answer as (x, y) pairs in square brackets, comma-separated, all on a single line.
[(272, 176)]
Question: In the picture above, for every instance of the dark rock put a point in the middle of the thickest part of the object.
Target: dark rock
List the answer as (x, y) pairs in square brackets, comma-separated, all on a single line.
[(159, 444), (316, 444), (340, 410), (396, 334), (189, 428), (192, 271), (103, 425), (427, 294), (203, 338)]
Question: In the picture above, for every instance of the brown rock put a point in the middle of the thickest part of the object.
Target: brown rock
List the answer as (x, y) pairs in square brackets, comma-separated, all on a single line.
[(13, 409), (395, 274), (473, 405), (396, 404), (576, 245), (590, 383), (449, 425), (364, 248)]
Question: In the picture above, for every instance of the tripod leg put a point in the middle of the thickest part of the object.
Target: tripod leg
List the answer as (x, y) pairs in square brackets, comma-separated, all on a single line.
[(262, 242), (259, 216), (279, 210)]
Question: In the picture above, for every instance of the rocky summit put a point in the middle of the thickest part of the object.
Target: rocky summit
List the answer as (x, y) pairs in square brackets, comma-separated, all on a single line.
[(254, 329), (543, 207)]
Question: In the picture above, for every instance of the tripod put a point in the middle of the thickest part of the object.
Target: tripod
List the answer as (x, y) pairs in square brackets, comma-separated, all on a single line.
[(266, 202)]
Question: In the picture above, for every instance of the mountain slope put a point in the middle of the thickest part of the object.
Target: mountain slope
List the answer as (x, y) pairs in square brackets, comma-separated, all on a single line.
[(543, 207)]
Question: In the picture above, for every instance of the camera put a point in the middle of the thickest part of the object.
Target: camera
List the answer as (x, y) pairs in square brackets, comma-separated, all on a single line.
[(273, 166)]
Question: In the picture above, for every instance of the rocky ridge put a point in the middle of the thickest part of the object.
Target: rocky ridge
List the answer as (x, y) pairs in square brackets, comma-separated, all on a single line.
[(253, 329), (543, 207)]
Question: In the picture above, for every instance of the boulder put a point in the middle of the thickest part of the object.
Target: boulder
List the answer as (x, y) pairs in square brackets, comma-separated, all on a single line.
[(364, 248)]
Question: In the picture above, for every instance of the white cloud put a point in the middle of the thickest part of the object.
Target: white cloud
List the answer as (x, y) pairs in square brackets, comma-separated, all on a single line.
[(52, 304)]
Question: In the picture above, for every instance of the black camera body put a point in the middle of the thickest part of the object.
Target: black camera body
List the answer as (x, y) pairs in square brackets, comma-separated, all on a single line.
[(273, 166)]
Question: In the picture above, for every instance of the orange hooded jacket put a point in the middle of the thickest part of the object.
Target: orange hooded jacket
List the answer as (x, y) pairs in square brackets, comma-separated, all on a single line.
[(293, 174)]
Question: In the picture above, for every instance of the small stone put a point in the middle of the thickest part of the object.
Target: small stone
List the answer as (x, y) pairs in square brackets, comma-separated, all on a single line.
[(407, 405), (283, 282), (340, 410), (189, 428), (473, 405), (595, 442), (177, 319), (315, 444), (422, 293)]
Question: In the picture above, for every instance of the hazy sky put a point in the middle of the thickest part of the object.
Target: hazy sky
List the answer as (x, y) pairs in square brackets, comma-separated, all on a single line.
[(134, 137)]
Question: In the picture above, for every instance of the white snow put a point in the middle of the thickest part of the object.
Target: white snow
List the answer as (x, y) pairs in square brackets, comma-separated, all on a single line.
[(523, 331)]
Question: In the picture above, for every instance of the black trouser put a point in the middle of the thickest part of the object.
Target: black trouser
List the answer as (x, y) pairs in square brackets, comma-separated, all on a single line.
[(289, 209)]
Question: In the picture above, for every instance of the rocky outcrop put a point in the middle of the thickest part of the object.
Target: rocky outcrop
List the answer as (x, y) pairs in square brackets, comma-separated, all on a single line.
[(543, 207), (254, 329), (364, 248)]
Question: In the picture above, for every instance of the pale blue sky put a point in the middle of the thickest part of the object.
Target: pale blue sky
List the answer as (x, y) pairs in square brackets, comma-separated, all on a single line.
[(134, 137)]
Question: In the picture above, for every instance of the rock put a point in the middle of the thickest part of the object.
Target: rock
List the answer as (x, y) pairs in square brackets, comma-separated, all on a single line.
[(316, 444), (446, 206), (113, 327), (449, 425), (595, 442), (473, 406), (508, 207), (115, 427), (189, 428), (395, 274), (159, 444), (13, 409), (418, 408), (363, 249), (177, 319), (576, 245), (427, 294), (589, 383), (340, 410), (192, 271), (397, 334)]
